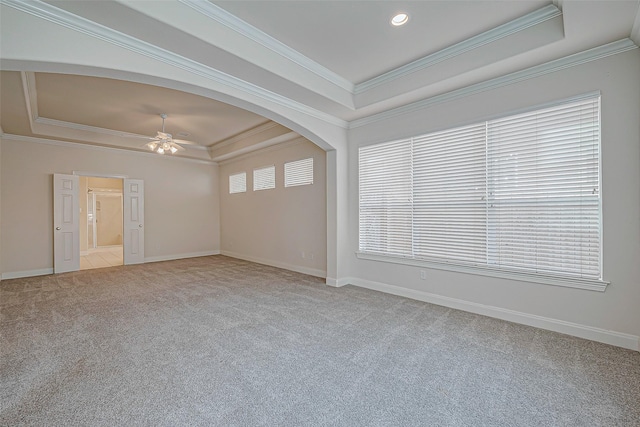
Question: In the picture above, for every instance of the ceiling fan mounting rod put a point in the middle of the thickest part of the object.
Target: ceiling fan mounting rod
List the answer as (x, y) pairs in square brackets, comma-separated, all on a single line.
[(164, 116)]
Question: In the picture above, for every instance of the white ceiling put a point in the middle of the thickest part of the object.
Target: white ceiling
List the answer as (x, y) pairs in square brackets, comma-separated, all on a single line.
[(354, 39), (336, 59)]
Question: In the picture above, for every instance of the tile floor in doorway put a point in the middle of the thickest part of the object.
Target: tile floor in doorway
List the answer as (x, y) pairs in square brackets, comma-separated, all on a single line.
[(101, 257)]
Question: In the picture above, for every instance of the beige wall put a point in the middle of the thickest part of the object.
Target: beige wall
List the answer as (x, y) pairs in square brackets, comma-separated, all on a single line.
[(108, 219), (181, 208), (285, 227)]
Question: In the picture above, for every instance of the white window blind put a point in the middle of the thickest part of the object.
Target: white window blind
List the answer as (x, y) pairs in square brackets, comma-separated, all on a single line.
[(264, 178), (238, 183), (521, 193), (386, 198), (299, 172), (544, 191), (449, 195)]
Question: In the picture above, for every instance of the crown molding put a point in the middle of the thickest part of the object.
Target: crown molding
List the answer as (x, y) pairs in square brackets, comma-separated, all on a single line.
[(280, 139), (236, 24), (580, 58), (534, 18), (30, 96), (79, 24), (244, 135), (103, 131), (262, 149), (31, 99), (68, 144)]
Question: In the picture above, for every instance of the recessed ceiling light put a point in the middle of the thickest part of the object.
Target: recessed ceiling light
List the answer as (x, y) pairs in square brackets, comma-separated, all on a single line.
[(399, 19)]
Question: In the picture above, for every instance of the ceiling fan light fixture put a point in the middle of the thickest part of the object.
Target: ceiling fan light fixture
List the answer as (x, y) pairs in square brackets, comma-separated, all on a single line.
[(163, 143), (399, 19)]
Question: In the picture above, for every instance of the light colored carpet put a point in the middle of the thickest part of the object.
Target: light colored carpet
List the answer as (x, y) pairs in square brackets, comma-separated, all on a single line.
[(219, 341)]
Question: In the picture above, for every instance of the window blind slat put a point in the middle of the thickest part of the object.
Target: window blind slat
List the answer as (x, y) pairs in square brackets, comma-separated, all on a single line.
[(519, 193), (299, 172), (238, 183), (264, 178)]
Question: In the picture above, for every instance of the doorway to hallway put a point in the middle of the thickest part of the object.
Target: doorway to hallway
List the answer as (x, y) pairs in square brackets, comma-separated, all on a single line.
[(101, 222)]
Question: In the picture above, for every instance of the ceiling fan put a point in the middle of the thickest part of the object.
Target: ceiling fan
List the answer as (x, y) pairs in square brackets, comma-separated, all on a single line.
[(164, 143)]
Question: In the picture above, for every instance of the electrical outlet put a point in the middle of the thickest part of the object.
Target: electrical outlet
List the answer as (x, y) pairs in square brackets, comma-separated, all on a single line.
[(423, 275), (312, 255), (302, 254)]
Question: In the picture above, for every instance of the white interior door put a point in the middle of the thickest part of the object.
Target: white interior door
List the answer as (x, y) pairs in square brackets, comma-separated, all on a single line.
[(66, 223), (133, 221)]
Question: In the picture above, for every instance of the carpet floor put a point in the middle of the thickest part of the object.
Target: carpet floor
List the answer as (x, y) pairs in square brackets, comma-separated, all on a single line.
[(220, 341)]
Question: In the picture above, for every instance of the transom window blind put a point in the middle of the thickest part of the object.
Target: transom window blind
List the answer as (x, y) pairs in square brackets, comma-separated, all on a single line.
[(299, 172), (238, 183), (264, 178), (519, 193)]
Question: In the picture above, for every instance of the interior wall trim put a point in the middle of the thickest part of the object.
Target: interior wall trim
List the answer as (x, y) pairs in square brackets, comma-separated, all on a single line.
[(232, 22), (79, 24), (580, 58), (27, 273), (262, 150), (100, 175), (635, 30), (181, 256), (534, 18), (244, 135), (45, 141), (286, 266), (619, 339), (338, 283), (111, 132)]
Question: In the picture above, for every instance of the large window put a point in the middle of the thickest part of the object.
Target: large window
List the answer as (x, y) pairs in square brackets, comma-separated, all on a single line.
[(518, 194)]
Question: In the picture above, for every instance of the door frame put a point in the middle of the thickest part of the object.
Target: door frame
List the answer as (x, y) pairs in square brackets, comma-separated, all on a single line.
[(102, 175), (108, 175)]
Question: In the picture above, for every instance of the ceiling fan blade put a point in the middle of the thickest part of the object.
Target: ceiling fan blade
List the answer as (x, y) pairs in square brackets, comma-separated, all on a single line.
[(162, 135)]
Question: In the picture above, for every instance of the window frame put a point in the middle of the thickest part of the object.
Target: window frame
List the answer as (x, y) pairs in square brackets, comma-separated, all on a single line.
[(297, 172), (260, 180), (486, 269), (231, 183)]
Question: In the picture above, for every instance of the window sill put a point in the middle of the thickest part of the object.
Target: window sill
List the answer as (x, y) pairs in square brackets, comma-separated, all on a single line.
[(588, 284)]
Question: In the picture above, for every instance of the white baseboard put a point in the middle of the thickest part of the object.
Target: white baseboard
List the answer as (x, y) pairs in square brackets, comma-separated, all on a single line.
[(297, 268), (618, 339), (27, 273), (181, 256), (338, 283)]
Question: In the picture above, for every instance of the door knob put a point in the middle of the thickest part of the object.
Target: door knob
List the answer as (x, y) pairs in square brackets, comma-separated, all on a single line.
[(140, 225), (58, 228)]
